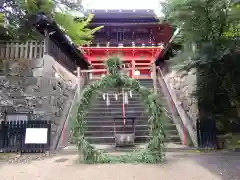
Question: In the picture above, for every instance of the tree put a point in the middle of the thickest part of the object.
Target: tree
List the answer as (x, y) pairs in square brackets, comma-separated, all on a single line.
[(213, 26), (76, 29), (75, 5), (22, 9), (2, 19)]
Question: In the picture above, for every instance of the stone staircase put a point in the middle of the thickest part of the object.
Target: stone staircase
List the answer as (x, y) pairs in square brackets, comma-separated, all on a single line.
[(100, 118), (171, 131)]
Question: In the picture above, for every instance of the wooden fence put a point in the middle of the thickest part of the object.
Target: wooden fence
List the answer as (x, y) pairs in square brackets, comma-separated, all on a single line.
[(33, 50), (19, 50), (207, 133)]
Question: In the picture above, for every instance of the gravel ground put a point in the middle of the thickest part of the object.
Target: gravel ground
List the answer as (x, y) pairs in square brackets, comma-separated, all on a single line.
[(178, 167)]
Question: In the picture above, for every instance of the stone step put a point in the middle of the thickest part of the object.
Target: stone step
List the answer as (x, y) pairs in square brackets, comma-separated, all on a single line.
[(113, 101), (118, 108), (100, 124), (139, 139), (130, 113), (148, 85), (130, 104), (111, 94), (111, 140), (117, 105), (110, 119), (170, 147), (138, 132), (133, 98), (134, 94), (117, 112), (112, 97), (111, 133), (111, 127)]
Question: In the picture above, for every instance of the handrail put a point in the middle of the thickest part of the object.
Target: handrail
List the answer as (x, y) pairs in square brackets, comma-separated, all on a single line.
[(75, 99), (184, 117), (177, 121), (58, 141)]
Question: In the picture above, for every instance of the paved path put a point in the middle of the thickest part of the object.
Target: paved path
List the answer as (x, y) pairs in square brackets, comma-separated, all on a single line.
[(178, 167)]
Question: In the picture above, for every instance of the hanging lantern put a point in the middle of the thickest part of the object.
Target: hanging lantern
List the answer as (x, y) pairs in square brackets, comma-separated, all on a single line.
[(136, 73), (108, 100), (130, 94), (116, 97), (103, 96)]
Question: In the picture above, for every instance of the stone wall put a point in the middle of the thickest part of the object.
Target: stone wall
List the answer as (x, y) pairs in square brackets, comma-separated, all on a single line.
[(184, 84), (33, 86)]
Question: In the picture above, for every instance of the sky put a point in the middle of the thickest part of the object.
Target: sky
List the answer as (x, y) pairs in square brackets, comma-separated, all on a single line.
[(123, 4)]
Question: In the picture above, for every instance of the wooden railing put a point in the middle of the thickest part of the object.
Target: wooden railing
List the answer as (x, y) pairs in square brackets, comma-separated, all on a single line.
[(19, 50), (171, 107), (64, 135), (33, 50)]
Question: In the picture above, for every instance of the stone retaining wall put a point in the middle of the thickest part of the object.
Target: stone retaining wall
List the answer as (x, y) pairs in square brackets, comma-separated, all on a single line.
[(184, 86), (36, 88)]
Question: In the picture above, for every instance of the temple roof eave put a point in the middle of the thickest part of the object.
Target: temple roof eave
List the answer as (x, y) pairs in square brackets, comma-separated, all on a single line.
[(126, 24), (121, 13), (41, 23)]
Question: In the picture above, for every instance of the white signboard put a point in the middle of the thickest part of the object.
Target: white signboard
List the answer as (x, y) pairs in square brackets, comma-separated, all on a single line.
[(36, 136)]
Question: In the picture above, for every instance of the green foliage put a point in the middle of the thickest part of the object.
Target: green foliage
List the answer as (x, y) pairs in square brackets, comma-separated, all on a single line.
[(22, 9), (34, 6), (213, 26), (2, 18), (76, 30), (234, 26), (155, 150), (114, 65), (143, 156), (202, 20)]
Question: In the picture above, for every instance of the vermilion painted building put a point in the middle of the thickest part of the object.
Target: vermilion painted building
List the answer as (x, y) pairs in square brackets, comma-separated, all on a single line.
[(136, 36)]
